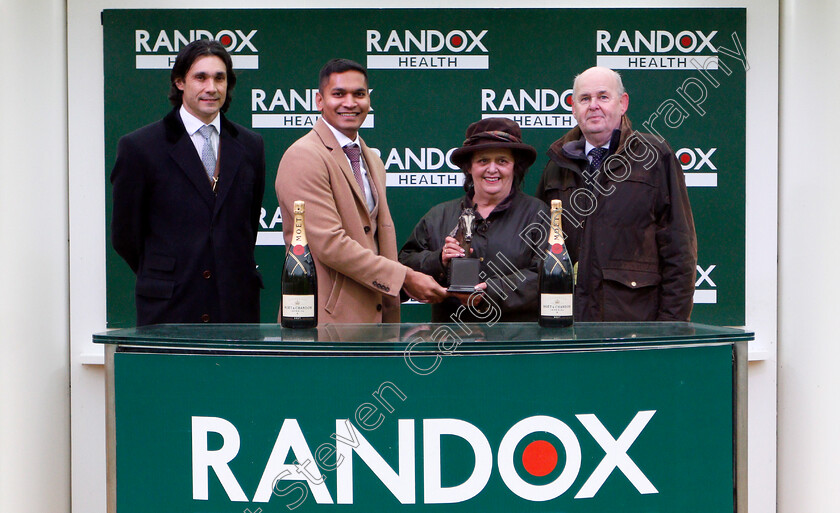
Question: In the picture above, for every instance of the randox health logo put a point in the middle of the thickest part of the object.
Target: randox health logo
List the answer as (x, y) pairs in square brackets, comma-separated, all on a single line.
[(289, 108), (157, 50), (656, 49), (421, 167), (699, 168), (427, 49), (530, 108), (705, 291)]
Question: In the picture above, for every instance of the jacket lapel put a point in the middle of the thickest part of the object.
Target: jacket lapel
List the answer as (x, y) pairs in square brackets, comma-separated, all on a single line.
[(340, 158), (230, 158), (183, 152)]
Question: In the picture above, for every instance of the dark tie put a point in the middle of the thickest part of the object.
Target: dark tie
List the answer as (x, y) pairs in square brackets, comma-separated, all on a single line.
[(597, 155), (353, 153), (208, 156)]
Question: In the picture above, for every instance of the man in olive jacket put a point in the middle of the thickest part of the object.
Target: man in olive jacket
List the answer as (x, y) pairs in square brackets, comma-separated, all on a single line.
[(626, 215)]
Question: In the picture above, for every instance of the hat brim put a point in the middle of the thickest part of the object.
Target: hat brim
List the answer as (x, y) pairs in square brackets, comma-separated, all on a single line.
[(523, 153)]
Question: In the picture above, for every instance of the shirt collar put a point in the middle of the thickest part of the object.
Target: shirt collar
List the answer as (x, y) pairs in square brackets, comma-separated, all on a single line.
[(589, 147), (192, 123), (611, 146), (342, 139)]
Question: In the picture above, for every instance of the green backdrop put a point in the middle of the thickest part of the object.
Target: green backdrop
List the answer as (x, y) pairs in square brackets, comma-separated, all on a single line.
[(434, 71)]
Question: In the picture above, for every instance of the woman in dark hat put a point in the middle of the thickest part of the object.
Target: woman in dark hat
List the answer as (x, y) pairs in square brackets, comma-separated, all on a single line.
[(509, 233)]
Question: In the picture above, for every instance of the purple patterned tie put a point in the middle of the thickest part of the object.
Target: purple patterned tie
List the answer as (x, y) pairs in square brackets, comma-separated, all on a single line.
[(353, 153)]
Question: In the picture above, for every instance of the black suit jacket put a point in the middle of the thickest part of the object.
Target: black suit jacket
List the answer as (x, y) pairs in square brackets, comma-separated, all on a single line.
[(191, 249)]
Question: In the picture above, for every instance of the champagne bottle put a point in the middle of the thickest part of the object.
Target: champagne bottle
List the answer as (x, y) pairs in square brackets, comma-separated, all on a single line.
[(299, 284), (556, 280)]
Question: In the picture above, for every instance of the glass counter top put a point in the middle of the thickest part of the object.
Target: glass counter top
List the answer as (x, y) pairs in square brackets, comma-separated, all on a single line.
[(424, 338)]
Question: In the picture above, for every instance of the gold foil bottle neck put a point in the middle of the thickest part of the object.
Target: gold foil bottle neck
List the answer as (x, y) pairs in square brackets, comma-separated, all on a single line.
[(555, 235), (299, 232)]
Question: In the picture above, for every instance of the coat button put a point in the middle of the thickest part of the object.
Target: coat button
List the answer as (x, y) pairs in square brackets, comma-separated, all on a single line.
[(378, 308), (205, 318), (632, 283), (367, 229), (206, 275)]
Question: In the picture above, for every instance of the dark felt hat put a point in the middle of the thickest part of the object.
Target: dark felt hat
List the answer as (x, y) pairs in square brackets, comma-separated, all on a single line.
[(494, 133)]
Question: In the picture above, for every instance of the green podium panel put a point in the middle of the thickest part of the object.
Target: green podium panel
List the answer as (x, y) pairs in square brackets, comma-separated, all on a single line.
[(631, 417)]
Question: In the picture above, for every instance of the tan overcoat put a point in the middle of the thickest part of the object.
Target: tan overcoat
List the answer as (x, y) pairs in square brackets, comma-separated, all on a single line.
[(355, 251)]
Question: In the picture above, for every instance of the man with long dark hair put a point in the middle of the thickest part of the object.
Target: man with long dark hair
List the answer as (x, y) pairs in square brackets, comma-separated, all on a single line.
[(187, 194)]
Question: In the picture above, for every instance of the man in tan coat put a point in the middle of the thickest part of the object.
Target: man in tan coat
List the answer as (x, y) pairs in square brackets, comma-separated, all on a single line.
[(348, 223)]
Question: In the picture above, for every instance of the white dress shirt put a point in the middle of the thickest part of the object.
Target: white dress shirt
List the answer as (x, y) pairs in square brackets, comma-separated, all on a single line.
[(193, 124), (343, 140)]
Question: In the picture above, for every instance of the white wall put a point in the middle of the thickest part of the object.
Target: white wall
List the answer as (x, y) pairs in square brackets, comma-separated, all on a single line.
[(34, 343), (87, 231), (809, 227)]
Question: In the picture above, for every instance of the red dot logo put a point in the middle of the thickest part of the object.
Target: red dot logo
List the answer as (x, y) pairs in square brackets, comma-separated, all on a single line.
[(297, 250), (226, 40), (456, 40), (556, 248), (685, 41), (569, 100), (685, 158), (539, 458)]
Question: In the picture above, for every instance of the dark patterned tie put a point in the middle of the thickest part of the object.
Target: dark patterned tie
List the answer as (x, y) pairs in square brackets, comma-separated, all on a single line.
[(353, 153), (597, 155)]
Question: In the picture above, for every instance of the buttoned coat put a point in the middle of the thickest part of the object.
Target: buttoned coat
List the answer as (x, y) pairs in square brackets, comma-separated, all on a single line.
[(355, 251), (191, 249)]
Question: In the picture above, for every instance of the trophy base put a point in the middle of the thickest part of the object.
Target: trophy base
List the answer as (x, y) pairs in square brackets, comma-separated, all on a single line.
[(461, 289), (464, 275)]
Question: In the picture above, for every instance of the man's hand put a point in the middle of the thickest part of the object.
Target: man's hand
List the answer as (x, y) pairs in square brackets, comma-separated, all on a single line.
[(423, 287)]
